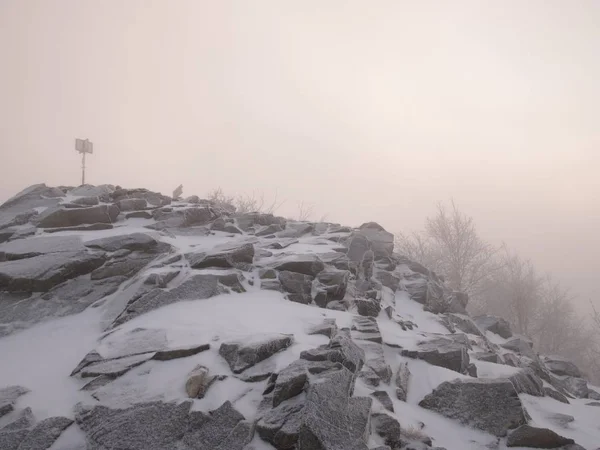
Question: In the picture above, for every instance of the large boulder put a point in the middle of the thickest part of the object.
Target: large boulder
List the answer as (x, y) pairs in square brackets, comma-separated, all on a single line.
[(308, 264), (357, 247), (41, 273), (574, 385), (560, 366), (8, 396), (28, 248), (133, 241), (154, 198), (297, 284), (521, 345), (230, 256), (221, 429), (490, 405), (243, 354), (21, 208), (442, 352), (45, 433), (56, 218), (21, 310), (494, 324), (334, 283), (464, 323), (145, 426), (528, 436), (196, 287), (382, 242), (247, 220), (331, 419), (527, 382)]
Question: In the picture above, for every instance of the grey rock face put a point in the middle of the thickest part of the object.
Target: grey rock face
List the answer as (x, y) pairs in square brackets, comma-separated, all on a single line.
[(154, 198), (351, 355), (18, 210), (365, 328), (401, 381), (28, 248), (8, 395), (41, 273), (138, 215), (45, 433), (388, 279), (280, 426), (465, 324), (494, 324), (180, 352), (132, 204), (21, 310), (59, 218), (269, 229), (229, 257), (488, 357), (385, 400), (10, 440), (327, 328), (334, 282), (295, 283), (146, 426), (92, 227), (527, 382), (520, 345), (375, 360), (382, 242), (489, 405), (528, 436), (25, 420), (443, 353), (115, 367), (388, 428), (368, 307), (555, 395), (240, 355), (197, 287), (308, 264), (86, 201), (332, 420), (247, 220), (290, 382), (562, 367), (125, 266), (221, 429), (133, 241), (576, 386)]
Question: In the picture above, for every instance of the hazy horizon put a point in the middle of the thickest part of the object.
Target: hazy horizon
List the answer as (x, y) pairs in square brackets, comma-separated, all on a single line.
[(368, 112)]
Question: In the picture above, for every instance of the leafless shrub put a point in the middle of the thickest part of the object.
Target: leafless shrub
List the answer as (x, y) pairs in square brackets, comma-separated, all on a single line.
[(305, 210)]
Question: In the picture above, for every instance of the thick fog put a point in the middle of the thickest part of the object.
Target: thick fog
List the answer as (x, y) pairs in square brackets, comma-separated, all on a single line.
[(367, 111)]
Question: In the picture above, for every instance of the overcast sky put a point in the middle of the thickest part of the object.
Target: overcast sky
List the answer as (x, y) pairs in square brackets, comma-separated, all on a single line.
[(367, 110)]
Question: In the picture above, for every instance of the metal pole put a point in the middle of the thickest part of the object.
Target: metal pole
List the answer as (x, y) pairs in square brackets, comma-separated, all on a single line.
[(83, 169)]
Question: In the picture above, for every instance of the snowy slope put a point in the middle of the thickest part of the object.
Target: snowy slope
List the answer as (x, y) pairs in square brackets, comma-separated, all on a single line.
[(43, 354)]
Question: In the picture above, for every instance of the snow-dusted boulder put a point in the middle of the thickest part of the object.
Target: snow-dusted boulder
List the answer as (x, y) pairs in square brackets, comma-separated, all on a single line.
[(494, 324), (488, 405), (243, 354), (61, 217), (528, 436)]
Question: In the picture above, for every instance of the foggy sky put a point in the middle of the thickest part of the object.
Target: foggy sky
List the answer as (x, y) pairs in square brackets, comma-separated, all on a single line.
[(368, 110)]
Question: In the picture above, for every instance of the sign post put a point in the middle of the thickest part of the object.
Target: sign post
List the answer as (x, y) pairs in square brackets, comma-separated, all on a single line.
[(83, 147)]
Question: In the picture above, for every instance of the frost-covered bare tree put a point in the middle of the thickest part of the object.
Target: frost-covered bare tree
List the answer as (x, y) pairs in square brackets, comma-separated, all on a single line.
[(451, 245)]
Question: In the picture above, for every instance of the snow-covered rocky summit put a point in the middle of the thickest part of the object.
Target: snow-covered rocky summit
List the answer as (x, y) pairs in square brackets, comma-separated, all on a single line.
[(129, 321)]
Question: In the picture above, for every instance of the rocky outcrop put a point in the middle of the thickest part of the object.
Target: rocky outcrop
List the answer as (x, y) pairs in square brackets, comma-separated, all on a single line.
[(241, 355), (559, 366), (232, 256), (308, 264), (442, 352), (401, 381), (197, 287), (8, 396), (494, 324), (60, 218), (527, 382), (43, 272), (488, 405), (528, 436)]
